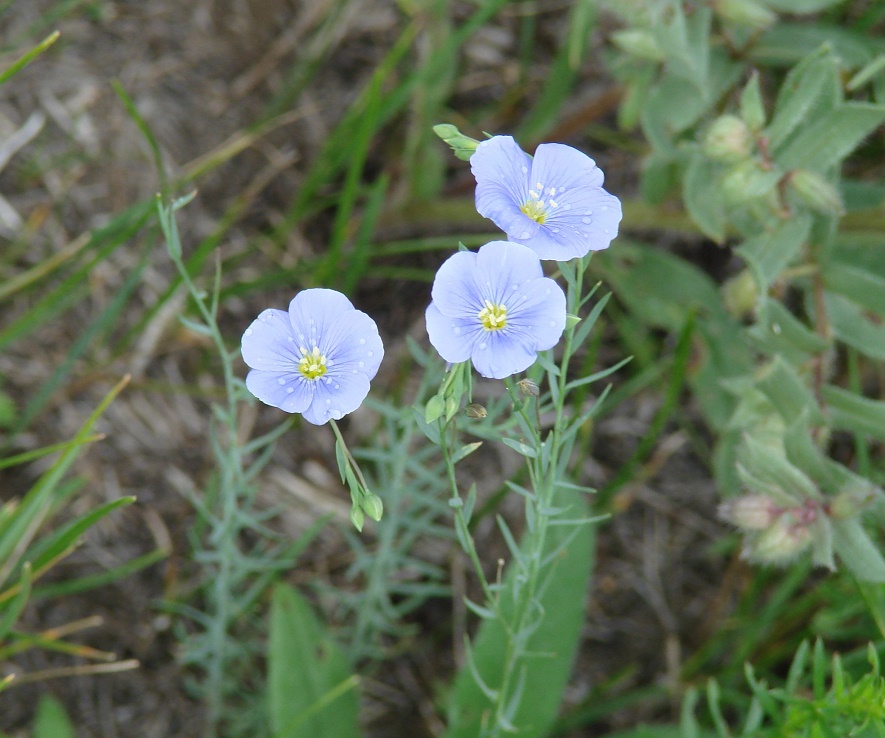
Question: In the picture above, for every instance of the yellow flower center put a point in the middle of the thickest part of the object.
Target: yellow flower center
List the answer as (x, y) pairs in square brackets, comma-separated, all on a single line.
[(493, 317), (312, 364), (536, 207)]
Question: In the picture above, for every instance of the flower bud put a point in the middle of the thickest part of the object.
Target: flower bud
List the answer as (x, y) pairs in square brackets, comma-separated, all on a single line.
[(748, 181), (372, 506), (780, 543), (740, 294), (462, 145), (476, 411), (357, 518), (728, 139), (850, 503), (745, 13), (434, 408), (750, 512), (640, 43), (816, 192), (528, 387)]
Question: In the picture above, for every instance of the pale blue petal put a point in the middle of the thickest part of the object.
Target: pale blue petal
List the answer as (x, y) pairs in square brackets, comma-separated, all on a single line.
[(352, 345), (314, 313), (589, 224), (536, 315), (336, 396), (321, 318), (453, 338), (455, 291), (496, 356), (286, 390), (269, 344), (502, 268), (563, 168), (502, 172)]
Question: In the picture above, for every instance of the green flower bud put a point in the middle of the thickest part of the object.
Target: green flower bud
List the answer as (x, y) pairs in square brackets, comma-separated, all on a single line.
[(528, 387), (640, 43), (850, 503), (740, 294), (357, 518), (728, 140), (434, 408), (750, 512), (372, 506), (745, 13), (462, 145), (816, 192), (780, 543), (748, 181), (476, 411)]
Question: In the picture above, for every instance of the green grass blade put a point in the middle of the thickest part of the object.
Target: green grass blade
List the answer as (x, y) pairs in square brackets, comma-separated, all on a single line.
[(28, 57)]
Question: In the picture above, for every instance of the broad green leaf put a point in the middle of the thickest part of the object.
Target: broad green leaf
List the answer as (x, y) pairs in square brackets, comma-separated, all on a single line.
[(310, 687), (778, 331), (770, 465), (554, 641), (788, 42), (851, 325), (806, 89), (52, 721), (769, 253), (801, 6), (861, 286), (703, 199), (857, 551), (789, 394), (848, 411), (829, 138)]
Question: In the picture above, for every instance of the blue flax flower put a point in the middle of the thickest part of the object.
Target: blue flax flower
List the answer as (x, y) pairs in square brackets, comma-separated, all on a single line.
[(496, 308), (554, 203), (316, 360)]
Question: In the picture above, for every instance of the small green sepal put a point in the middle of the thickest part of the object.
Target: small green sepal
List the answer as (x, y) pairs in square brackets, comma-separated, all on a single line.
[(462, 145)]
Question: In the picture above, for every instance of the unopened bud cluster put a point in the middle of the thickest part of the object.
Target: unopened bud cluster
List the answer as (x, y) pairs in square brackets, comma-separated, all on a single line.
[(775, 534)]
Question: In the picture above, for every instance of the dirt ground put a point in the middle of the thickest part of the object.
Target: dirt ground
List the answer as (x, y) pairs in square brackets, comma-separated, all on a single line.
[(200, 72)]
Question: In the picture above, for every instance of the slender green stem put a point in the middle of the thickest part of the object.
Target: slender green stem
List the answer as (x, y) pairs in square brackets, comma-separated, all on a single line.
[(461, 521), (544, 480), (349, 456)]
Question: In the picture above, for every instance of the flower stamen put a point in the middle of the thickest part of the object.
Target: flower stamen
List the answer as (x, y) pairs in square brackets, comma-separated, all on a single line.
[(493, 317), (312, 364), (535, 207)]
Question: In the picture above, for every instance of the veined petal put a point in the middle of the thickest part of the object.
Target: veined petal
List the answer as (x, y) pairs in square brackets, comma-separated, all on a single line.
[(537, 316), (336, 396), (563, 168), (314, 314), (453, 338), (588, 221), (286, 390), (502, 172), (496, 356), (502, 267), (269, 343), (454, 290), (352, 345)]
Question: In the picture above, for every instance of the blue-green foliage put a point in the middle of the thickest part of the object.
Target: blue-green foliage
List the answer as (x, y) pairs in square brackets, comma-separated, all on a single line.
[(756, 156)]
